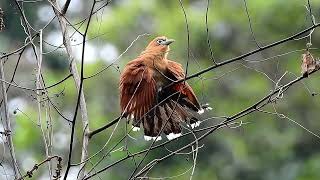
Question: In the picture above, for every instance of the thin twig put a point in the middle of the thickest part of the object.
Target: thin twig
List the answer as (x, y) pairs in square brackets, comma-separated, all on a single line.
[(92, 133), (225, 62), (228, 61), (39, 85), (208, 35), (7, 123), (79, 85), (30, 173), (250, 24), (253, 108), (65, 7)]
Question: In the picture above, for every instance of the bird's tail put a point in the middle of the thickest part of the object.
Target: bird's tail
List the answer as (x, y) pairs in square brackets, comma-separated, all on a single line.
[(169, 118)]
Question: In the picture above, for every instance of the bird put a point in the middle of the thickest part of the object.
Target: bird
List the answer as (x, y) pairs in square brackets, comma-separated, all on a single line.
[(147, 98)]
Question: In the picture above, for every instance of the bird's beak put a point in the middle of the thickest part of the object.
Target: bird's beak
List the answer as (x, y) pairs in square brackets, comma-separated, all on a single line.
[(168, 41)]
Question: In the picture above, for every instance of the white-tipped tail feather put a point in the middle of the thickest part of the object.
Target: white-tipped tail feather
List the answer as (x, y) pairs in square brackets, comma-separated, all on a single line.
[(204, 107), (135, 128), (159, 138), (177, 135), (173, 136), (170, 136), (196, 124), (201, 111), (148, 138), (208, 108)]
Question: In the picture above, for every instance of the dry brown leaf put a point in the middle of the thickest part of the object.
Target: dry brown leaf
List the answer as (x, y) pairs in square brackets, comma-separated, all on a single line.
[(308, 63)]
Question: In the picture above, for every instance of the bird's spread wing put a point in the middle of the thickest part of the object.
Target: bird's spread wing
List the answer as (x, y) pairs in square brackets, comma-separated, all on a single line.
[(176, 71), (139, 95), (137, 91)]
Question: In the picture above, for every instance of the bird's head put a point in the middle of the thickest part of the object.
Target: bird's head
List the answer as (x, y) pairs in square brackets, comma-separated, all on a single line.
[(159, 45)]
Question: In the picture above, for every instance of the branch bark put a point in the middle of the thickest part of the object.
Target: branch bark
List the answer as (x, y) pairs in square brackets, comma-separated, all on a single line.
[(40, 84), (92, 133), (74, 71), (7, 123)]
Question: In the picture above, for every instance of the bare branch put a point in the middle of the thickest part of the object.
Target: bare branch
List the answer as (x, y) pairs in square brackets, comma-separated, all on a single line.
[(65, 7), (245, 55), (7, 124), (253, 108), (79, 84), (30, 173)]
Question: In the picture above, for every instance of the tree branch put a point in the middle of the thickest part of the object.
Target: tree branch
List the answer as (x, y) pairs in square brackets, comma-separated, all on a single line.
[(245, 55), (79, 85), (225, 62), (7, 124), (92, 133), (65, 7), (210, 129)]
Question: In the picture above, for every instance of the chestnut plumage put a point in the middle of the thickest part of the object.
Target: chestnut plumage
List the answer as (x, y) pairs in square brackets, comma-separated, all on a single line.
[(145, 101)]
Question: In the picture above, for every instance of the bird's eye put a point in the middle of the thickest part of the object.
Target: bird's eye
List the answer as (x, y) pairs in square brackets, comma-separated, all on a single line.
[(160, 41)]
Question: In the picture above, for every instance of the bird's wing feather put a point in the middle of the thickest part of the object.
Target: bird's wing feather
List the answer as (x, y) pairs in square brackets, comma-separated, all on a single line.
[(137, 90), (175, 69)]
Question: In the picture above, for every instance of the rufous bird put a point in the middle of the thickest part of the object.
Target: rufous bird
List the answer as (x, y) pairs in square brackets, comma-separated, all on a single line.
[(145, 100)]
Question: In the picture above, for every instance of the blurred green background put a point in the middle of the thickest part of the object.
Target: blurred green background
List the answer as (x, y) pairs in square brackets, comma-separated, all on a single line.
[(265, 147)]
